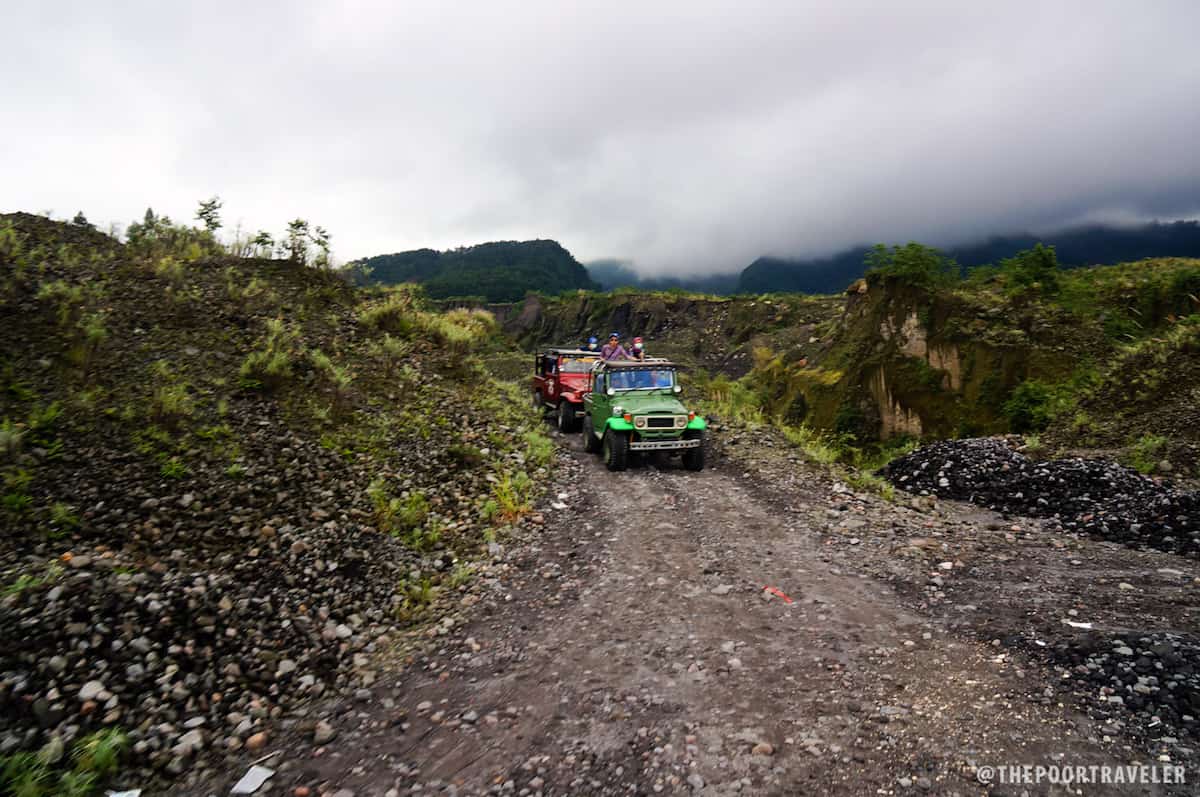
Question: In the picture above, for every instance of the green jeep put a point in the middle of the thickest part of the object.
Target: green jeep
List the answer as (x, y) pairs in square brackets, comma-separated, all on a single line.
[(634, 406)]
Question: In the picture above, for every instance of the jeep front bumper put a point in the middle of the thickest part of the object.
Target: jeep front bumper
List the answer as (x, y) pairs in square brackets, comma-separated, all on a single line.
[(663, 445)]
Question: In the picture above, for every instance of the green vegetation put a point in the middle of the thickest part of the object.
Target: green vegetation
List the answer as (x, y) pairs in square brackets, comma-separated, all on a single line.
[(95, 758), (911, 264), (16, 499), (497, 272), (25, 581), (397, 516), (1146, 452), (270, 366), (513, 495), (174, 468)]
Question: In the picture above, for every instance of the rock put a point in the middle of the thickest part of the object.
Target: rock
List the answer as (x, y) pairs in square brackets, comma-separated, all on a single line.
[(324, 733), (1088, 496), (257, 742), (189, 744), (763, 749), (90, 690), (723, 589)]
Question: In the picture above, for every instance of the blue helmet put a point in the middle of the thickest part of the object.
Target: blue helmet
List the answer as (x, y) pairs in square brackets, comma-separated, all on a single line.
[(616, 335), (592, 339)]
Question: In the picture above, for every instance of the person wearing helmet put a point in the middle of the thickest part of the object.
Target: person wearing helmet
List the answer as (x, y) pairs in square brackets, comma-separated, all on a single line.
[(638, 350), (613, 350), (592, 344)]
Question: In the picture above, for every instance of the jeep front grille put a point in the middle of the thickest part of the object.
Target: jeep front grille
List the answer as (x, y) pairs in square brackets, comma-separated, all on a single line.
[(660, 422)]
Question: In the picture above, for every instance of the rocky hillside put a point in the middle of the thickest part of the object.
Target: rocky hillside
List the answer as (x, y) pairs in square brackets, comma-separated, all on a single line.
[(229, 486), (719, 334), (1100, 358)]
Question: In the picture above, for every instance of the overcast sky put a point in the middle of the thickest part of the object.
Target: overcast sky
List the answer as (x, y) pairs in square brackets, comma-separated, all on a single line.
[(682, 136)]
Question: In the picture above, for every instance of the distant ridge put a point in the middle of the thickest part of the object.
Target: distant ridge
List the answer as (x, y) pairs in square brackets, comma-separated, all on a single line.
[(1096, 245), (500, 271)]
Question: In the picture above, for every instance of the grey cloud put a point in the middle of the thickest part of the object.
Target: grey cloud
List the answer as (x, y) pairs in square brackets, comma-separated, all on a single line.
[(680, 136)]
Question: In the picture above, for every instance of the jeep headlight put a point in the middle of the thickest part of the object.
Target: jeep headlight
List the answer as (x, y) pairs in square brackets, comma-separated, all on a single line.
[(640, 421), (618, 411), (680, 421)]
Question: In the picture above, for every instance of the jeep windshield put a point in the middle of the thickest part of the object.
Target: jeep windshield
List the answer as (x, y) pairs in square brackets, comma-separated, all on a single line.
[(577, 365), (642, 379)]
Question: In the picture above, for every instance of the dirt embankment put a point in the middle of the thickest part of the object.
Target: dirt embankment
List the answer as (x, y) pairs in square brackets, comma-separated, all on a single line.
[(760, 629)]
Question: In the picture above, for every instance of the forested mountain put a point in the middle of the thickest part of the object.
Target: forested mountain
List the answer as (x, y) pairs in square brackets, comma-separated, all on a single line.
[(502, 271), (1084, 246)]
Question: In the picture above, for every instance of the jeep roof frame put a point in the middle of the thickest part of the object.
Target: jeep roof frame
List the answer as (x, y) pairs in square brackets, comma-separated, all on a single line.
[(635, 364)]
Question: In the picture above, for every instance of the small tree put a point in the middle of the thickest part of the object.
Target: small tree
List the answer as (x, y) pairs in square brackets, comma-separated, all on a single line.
[(263, 243), (1033, 269), (210, 214), (320, 239), (80, 220), (296, 244), (913, 264)]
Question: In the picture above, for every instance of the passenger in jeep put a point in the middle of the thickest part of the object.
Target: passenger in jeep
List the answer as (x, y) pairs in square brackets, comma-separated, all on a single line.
[(613, 350), (638, 350)]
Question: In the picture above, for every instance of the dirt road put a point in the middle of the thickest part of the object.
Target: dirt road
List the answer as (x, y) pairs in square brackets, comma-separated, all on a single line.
[(633, 650)]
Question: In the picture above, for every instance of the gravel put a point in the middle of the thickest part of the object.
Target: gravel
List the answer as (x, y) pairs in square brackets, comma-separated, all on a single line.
[(1088, 496)]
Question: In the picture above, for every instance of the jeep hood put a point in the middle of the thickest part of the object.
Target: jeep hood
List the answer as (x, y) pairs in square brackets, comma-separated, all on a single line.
[(643, 404)]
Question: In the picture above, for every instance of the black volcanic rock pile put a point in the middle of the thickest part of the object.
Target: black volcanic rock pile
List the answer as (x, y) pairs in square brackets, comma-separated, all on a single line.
[(1094, 497), (1153, 675)]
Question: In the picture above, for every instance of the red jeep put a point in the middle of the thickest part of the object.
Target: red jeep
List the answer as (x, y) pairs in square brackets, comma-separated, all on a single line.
[(560, 378)]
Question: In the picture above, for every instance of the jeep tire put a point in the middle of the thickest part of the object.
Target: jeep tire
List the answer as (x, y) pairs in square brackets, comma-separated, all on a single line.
[(693, 458), (616, 450), (590, 443), (537, 400), (566, 416)]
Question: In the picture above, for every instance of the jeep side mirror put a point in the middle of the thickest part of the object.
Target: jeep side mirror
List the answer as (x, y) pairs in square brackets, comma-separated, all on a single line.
[(611, 392), (678, 389)]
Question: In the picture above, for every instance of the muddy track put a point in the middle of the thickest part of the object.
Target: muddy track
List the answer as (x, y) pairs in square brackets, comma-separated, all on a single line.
[(634, 650)]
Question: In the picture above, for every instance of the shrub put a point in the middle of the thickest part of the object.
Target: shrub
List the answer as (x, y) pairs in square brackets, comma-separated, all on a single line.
[(1029, 408), (270, 367), (12, 438), (912, 264), (90, 335), (337, 377), (538, 448), (1032, 270), (173, 468), (394, 314), (397, 515), (1147, 452), (96, 757), (514, 495)]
